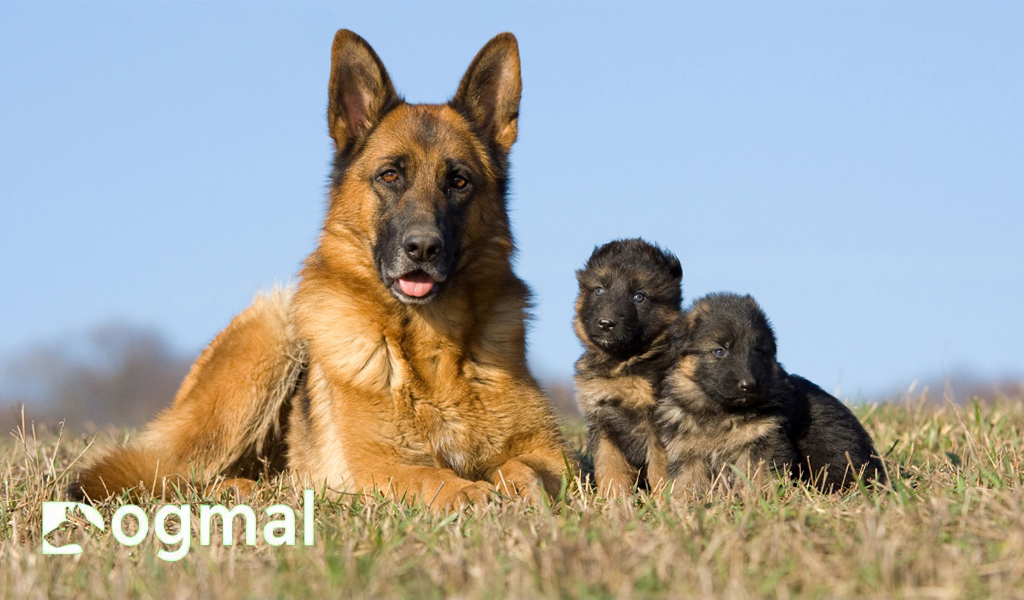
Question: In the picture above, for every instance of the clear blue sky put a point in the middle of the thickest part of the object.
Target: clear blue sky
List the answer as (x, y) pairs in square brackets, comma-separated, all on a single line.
[(857, 167)]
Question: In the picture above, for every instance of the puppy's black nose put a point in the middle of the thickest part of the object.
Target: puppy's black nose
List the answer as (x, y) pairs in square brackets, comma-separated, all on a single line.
[(422, 246), (748, 386), (606, 324)]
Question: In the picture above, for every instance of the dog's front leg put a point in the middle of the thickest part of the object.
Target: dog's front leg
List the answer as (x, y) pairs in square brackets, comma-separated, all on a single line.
[(692, 479), (612, 472), (657, 464)]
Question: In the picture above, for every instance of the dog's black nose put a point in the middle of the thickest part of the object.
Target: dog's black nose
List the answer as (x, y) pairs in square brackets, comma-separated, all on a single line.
[(606, 324), (422, 246), (748, 386)]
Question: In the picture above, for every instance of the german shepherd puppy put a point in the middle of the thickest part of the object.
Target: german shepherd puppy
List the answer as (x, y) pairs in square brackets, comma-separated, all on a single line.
[(399, 362), (629, 294), (728, 401)]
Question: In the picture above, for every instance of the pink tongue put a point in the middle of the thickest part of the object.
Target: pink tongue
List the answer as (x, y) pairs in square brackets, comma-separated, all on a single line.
[(416, 285)]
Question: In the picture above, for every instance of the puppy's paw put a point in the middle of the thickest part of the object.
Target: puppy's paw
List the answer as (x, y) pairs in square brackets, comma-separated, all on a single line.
[(613, 488)]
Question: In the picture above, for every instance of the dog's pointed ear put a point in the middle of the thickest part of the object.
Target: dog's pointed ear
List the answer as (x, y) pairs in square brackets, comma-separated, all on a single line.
[(680, 332), (490, 90), (359, 91), (675, 268)]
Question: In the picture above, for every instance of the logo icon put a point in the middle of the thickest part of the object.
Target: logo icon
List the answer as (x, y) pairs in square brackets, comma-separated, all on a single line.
[(55, 513)]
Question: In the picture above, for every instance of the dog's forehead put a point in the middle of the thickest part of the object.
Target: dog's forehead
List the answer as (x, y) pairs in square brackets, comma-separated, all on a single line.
[(720, 327), (609, 276), (740, 333), (655, 278), (426, 132)]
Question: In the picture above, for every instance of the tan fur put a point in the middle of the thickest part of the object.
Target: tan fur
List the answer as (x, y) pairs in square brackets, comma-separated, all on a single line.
[(430, 403), (613, 472), (657, 462), (630, 391)]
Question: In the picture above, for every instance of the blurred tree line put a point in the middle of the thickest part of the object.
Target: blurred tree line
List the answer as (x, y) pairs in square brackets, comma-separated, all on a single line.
[(116, 374)]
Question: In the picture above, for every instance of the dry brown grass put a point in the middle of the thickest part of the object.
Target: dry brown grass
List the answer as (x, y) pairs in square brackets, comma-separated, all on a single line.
[(951, 527)]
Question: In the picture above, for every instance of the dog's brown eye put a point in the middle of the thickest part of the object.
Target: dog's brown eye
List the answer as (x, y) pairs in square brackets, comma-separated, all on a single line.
[(459, 182), (389, 176), (639, 297), (719, 352)]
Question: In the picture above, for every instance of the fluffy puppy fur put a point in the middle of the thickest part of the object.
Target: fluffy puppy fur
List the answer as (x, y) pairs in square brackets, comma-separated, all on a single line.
[(629, 294), (726, 400)]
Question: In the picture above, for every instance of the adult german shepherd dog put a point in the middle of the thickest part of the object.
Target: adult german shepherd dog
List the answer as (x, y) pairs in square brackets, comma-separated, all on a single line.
[(399, 362)]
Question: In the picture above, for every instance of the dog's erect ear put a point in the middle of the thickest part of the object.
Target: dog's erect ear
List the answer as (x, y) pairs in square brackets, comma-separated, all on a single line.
[(490, 90), (680, 332), (675, 269), (360, 91)]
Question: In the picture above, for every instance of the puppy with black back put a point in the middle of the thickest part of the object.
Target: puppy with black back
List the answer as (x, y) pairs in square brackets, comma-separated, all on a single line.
[(726, 400), (630, 292)]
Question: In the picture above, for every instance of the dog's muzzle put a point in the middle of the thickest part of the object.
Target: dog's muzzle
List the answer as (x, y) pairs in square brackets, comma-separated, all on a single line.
[(418, 267)]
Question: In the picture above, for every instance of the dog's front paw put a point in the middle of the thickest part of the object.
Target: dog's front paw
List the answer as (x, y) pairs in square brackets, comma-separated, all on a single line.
[(477, 492), (237, 488), (519, 482)]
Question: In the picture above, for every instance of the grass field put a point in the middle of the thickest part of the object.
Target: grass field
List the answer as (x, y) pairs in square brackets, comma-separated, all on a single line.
[(952, 526)]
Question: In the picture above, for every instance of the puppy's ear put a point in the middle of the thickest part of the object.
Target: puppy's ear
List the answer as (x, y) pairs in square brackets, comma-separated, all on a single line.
[(359, 91), (773, 343), (674, 268), (580, 273), (490, 90), (681, 332)]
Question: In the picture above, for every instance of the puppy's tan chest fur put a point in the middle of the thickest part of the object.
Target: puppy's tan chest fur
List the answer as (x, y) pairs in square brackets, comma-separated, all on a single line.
[(719, 442), (701, 441), (626, 392)]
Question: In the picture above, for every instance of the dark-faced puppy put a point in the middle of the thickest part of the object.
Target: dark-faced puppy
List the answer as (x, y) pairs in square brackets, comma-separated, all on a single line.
[(629, 294), (715, 408), (726, 400)]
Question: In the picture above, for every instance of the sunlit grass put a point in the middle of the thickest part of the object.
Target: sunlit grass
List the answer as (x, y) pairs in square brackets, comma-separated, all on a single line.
[(951, 526)]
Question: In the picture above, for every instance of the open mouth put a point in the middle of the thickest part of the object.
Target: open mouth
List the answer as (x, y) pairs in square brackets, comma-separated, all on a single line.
[(416, 286)]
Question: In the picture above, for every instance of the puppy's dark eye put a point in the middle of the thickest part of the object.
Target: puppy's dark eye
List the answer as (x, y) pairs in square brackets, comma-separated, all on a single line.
[(599, 290), (719, 352), (459, 182), (639, 297), (388, 176)]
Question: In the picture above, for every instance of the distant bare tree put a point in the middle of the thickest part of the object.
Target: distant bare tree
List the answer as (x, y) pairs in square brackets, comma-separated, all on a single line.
[(562, 393), (117, 374)]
